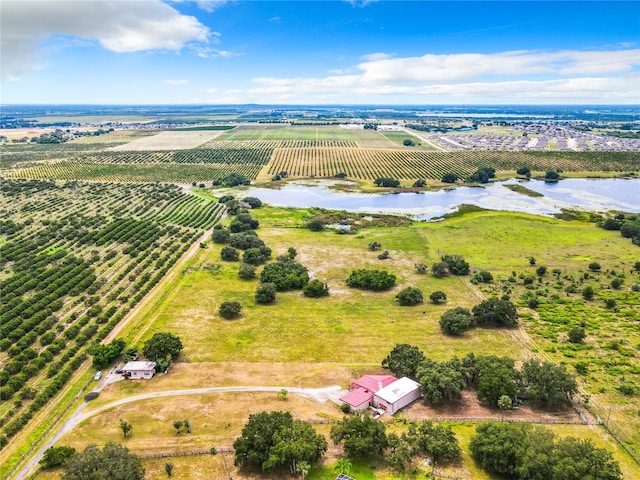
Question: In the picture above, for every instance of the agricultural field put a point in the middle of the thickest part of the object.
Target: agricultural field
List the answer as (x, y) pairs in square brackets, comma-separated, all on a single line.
[(260, 152), (75, 259), (305, 342), (170, 140)]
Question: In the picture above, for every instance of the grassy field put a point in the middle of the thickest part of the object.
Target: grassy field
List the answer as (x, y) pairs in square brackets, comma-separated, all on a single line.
[(306, 342)]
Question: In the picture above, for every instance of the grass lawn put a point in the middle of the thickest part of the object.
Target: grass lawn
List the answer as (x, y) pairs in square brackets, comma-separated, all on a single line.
[(287, 132)]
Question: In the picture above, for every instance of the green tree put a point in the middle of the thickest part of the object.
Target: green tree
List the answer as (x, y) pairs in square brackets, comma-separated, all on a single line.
[(576, 334), (400, 451), (595, 266), (246, 271), (588, 292), (440, 269), (293, 445), (127, 428), (363, 436), (482, 277), (420, 183), (457, 264), (456, 321), (229, 254), (505, 402), (343, 465), (371, 279), (168, 467), (315, 289), (253, 202), (551, 175), (437, 441), (316, 225), (449, 178), (266, 293), (407, 142), (409, 296), (113, 462), (57, 456), (161, 345), (524, 171), (374, 246), (440, 382), (230, 310), (386, 182), (221, 235), (547, 383), (497, 447), (253, 445), (577, 459), (403, 360), (285, 275), (495, 311), (438, 297)]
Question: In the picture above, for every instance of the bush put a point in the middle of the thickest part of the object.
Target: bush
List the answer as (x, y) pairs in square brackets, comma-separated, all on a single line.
[(409, 296), (256, 256), (285, 275), (420, 183), (315, 225), (457, 264), (371, 279), (541, 270), (438, 297), (594, 267), (315, 289), (616, 283), (576, 334), (384, 255), (253, 202), (230, 310), (456, 321), (374, 246), (551, 175), (449, 178), (229, 254), (386, 182), (266, 293), (588, 292), (246, 271), (245, 240), (440, 269), (221, 235), (495, 311), (407, 142), (482, 277), (57, 456)]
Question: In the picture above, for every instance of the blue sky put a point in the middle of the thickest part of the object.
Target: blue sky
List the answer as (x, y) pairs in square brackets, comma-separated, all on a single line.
[(320, 52)]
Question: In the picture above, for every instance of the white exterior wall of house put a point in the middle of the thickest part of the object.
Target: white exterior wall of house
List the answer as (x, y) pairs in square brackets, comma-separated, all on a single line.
[(397, 395), (139, 370)]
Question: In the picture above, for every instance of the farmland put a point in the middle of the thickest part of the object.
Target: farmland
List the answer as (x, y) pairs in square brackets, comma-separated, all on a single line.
[(260, 152), (288, 343), (76, 258)]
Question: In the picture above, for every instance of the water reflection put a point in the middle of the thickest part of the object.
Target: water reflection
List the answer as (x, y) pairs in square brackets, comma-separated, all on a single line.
[(585, 194)]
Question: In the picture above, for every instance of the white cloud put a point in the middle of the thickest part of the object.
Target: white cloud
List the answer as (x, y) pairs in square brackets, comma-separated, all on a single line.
[(206, 5), (523, 75), (208, 52), (175, 83), (373, 57), (118, 25)]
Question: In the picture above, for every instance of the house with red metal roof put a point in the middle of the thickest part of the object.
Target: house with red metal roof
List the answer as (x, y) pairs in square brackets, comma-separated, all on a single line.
[(360, 396)]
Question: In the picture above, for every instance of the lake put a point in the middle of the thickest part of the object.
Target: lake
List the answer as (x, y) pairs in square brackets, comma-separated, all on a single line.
[(597, 195)]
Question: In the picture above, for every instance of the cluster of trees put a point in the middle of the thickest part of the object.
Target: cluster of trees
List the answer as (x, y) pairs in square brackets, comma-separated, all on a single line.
[(386, 182), (270, 441), (496, 380), (232, 180), (450, 264), (491, 312), (522, 451), (365, 438), (114, 462), (376, 280), (105, 355), (627, 225), (285, 274), (482, 175)]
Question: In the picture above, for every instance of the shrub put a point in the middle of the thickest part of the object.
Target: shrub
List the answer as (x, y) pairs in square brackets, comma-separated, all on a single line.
[(438, 297), (374, 246), (256, 256), (457, 264), (449, 178), (407, 142), (315, 289), (285, 275), (246, 271), (386, 182), (456, 321), (409, 296), (576, 334), (266, 293), (420, 183), (588, 292), (229, 254), (495, 311), (541, 270), (616, 283), (384, 255), (594, 267), (316, 225), (371, 279), (482, 277), (230, 310), (253, 202), (245, 240)]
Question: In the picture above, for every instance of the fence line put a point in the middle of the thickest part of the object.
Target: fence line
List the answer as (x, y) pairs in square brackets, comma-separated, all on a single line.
[(185, 453)]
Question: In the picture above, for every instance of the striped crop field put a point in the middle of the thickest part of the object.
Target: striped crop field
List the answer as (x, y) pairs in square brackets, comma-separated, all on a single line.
[(411, 164), (288, 132)]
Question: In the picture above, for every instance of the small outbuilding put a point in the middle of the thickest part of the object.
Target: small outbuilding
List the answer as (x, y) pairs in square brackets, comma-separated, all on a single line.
[(397, 395), (137, 370)]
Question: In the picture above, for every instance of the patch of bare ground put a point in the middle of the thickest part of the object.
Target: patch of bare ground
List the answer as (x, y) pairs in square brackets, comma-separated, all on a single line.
[(470, 408), (204, 374)]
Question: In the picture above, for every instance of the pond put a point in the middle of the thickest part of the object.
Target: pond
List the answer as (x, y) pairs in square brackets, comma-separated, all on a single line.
[(598, 195)]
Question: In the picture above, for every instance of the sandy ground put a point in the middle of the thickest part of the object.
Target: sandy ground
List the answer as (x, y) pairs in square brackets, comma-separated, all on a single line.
[(170, 140)]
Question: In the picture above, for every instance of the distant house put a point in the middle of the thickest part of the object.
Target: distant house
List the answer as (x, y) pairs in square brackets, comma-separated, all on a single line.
[(136, 370), (361, 395), (397, 395)]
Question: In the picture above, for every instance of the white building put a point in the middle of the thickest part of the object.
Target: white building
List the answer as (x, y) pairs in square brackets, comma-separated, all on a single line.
[(397, 395), (136, 370)]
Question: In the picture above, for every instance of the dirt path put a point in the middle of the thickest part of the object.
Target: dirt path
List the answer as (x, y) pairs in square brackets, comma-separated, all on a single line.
[(318, 394), (425, 140)]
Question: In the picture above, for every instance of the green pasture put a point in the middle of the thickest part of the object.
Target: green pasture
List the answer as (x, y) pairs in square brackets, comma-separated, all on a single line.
[(287, 132)]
